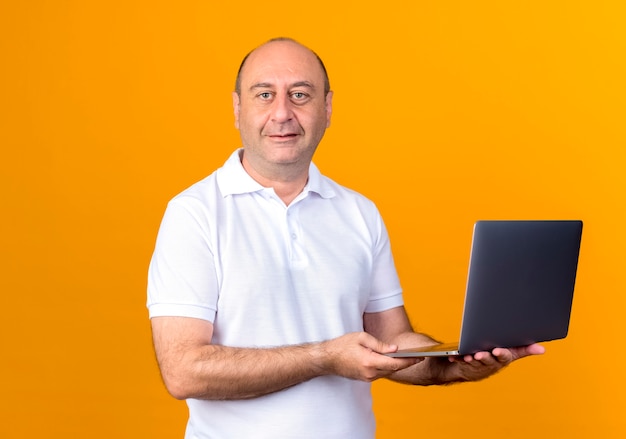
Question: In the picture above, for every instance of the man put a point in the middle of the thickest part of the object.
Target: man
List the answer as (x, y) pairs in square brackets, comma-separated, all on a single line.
[(272, 292)]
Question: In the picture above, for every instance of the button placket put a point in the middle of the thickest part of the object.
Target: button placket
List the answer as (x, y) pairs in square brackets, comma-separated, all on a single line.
[(296, 250)]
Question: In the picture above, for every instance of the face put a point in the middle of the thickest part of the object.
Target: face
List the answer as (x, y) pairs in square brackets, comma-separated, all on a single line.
[(282, 112)]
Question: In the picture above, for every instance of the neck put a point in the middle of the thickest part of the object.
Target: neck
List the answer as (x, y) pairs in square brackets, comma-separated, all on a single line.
[(288, 181)]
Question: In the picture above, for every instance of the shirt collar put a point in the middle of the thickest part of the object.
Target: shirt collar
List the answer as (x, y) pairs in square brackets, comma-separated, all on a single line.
[(233, 179)]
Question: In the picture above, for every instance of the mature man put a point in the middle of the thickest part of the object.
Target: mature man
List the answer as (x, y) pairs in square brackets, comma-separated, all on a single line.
[(272, 290)]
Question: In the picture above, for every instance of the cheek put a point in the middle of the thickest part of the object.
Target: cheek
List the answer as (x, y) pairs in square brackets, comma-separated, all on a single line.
[(251, 120)]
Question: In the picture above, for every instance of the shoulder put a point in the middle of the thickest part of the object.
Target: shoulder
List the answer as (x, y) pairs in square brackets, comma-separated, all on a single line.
[(226, 180), (350, 197), (197, 198)]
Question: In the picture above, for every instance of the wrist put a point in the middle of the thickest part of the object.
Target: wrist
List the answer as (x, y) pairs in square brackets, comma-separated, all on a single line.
[(321, 358), (443, 371)]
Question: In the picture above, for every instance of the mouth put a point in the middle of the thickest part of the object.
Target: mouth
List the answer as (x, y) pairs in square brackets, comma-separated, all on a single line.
[(284, 136)]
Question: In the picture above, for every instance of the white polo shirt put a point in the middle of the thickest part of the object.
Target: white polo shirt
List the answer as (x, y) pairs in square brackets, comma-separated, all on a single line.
[(229, 251)]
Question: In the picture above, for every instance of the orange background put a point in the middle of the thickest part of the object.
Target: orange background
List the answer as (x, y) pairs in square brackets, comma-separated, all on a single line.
[(445, 113)]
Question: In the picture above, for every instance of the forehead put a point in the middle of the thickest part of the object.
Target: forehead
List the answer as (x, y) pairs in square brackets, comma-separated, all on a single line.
[(282, 63)]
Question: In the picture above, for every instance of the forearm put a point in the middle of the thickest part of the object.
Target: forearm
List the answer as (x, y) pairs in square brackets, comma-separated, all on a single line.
[(220, 372), (193, 367)]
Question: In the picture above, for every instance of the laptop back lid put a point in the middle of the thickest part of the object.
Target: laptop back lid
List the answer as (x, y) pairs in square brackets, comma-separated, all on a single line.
[(520, 283)]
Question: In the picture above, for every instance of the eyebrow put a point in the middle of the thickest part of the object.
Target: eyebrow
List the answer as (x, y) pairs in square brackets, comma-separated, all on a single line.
[(295, 84)]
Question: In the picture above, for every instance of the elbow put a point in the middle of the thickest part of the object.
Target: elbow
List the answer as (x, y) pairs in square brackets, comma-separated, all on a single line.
[(177, 392), (177, 386)]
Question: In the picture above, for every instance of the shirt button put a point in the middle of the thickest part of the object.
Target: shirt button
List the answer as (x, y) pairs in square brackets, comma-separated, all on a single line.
[(293, 236)]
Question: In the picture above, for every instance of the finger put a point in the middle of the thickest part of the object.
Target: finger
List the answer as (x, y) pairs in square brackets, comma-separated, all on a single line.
[(502, 355), (378, 346), (533, 349), (460, 358), (384, 348), (484, 357), (478, 357), (468, 358), (401, 363)]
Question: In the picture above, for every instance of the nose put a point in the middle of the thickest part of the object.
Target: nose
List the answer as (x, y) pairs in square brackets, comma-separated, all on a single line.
[(281, 109)]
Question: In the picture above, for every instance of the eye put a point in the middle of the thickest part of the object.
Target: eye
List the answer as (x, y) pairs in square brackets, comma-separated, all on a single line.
[(299, 97), (265, 95)]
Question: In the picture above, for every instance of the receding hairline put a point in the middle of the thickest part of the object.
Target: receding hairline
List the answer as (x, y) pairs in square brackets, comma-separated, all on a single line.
[(282, 39)]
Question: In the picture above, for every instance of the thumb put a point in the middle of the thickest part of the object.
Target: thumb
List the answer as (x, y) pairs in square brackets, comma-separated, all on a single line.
[(380, 346)]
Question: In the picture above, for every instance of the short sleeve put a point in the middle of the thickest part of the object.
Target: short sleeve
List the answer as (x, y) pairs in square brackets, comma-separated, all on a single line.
[(386, 292), (182, 278)]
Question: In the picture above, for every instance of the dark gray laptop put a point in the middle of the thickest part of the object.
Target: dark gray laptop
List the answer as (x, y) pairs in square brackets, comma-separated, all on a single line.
[(520, 286)]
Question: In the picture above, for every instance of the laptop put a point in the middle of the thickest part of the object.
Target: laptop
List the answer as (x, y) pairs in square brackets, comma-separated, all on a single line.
[(520, 286)]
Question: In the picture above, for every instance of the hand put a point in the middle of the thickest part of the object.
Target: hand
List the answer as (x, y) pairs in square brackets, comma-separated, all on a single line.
[(484, 364), (359, 356)]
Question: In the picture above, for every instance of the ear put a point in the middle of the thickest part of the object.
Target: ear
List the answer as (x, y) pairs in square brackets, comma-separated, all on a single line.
[(236, 108), (329, 107)]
